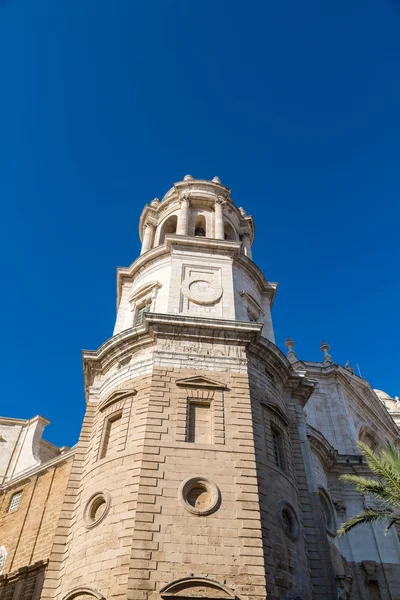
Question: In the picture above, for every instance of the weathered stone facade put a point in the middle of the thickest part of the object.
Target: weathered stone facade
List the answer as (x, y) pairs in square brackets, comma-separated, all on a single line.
[(208, 462)]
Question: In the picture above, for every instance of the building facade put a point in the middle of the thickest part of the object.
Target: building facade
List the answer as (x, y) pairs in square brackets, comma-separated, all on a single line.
[(208, 462)]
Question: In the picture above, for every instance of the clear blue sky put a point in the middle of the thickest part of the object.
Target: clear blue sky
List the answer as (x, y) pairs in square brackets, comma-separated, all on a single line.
[(103, 105)]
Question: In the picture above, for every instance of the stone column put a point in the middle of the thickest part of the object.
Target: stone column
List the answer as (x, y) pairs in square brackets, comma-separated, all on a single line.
[(246, 244), (183, 217), (148, 237), (219, 220)]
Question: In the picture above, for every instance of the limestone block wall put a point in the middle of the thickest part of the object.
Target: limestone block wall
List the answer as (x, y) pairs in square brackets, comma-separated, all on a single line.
[(285, 553), (92, 545), (244, 283), (340, 410), (328, 413), (158, 271), (27, 533), (170, 542), (147, 537)]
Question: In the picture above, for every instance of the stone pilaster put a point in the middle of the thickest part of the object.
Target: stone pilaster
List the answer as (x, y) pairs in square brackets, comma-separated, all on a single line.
[(183, 216), (219, 220), (148, 237)]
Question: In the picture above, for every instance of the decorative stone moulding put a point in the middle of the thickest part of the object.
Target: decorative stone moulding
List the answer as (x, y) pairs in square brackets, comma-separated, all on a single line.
[(96, 509), (199, 495), (201, 291), (288, 519), (196, 588), (83, 592), (116, 396)]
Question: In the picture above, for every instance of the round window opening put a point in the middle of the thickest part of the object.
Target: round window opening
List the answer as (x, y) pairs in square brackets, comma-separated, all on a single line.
[(96, 509), (199, 496), (288, 520)]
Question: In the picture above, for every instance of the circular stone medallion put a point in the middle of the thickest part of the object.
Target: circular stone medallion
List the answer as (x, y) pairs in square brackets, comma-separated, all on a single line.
[(199, 495), (201, 291)]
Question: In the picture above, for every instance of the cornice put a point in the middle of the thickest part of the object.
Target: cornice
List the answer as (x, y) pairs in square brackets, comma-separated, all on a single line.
[(297, 384), (156, 326), (201, 329), (352, 382), (331, 458)]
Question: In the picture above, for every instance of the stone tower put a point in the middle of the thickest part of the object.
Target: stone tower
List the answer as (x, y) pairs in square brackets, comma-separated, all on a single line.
[(191, 478)]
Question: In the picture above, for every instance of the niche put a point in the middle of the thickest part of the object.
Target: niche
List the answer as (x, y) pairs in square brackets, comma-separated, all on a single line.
[(168, 227), (199, 422), (112, 430), (229, 232), (200, 226)]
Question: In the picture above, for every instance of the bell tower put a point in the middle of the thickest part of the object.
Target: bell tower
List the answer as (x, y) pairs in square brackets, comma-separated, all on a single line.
[(185, 478), (195, 261)]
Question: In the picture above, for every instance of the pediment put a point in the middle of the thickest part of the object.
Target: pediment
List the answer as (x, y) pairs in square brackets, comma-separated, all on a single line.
[(196, 588), (116, 396), (277, 410), (144, 290), (201, 383)]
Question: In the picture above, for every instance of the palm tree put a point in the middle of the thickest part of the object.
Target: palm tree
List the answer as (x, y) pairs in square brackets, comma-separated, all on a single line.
[(385, 488)]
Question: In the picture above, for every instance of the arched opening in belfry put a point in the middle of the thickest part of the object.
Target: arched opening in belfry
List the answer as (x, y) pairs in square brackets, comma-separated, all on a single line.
[(200, 226), (168, 227), (229, 232)]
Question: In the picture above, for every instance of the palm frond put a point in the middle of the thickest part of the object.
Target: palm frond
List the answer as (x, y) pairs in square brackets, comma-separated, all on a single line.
[(395, 520), (377, 489), (368, 515), (384, 464)]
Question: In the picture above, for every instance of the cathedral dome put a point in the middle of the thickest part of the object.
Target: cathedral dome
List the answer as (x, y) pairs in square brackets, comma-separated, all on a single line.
[(382, 395)]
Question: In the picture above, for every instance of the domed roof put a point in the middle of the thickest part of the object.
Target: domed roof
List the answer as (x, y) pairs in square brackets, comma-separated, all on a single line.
[(382, 395)]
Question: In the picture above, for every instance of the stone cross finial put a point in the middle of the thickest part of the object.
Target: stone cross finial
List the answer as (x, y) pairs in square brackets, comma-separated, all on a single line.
[(291, 354), (327, 357)]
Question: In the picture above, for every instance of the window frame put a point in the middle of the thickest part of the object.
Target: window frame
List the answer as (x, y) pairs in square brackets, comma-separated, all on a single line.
[(276, 437), (3, 558), (278, 447), (327, 510), (205, 403), (18, 494), (108, 420)]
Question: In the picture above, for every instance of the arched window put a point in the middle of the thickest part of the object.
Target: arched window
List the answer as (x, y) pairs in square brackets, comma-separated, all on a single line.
[(200, 226), (230, 233), (275, 425), (327, 510), (278, 446), (168, 227)]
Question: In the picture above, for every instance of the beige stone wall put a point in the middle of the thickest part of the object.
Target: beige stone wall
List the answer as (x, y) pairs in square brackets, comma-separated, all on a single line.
[(28, 532), (286, 561), (147, 538)]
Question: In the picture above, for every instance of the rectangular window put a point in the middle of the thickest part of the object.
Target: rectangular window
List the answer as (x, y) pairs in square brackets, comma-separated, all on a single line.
[(278, 448), (112, 429), (141, 311), (199, 422), (15, 502)]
